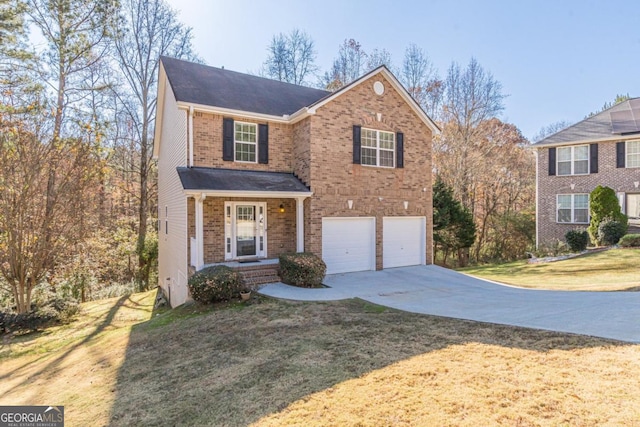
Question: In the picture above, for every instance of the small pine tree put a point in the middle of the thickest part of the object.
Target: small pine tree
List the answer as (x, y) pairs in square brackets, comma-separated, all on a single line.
[(453, 226), (603, 203)]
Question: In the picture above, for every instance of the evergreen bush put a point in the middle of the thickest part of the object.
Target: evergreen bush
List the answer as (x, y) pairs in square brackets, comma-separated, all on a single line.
[(603, 203), (630, 241), (577, 240), (610, 232), (215, 284), (302, 269)]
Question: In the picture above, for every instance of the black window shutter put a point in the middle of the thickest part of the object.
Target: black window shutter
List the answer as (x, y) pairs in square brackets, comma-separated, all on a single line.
[(263, 144), (356, 144), (227, 139), (620, 154), (593, 158), (552, 161), (399, 150)]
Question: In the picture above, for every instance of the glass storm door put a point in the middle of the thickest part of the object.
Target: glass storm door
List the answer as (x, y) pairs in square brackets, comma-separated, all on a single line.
[(245, 230)]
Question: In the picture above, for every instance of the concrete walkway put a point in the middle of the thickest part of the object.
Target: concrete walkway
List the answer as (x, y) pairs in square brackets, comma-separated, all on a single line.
[(441, 292)]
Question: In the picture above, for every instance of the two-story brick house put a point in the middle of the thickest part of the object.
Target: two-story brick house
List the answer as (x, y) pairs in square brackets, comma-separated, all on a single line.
[(603, 149), (250, 168)]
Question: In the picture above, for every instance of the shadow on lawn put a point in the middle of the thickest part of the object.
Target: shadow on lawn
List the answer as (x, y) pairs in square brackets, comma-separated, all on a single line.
[(236, 366)]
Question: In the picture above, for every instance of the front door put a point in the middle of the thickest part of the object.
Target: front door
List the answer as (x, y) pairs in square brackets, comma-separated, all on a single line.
[(245, 230)]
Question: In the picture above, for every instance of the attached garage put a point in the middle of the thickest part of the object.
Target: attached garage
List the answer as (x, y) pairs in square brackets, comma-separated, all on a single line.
[(349, 244), (403, 241)]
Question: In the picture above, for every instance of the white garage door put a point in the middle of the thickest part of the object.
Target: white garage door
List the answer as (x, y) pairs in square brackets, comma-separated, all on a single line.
[(403, 241), (349, 244)]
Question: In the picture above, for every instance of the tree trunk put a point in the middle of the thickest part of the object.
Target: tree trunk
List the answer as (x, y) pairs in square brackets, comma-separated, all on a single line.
[(143, 276)]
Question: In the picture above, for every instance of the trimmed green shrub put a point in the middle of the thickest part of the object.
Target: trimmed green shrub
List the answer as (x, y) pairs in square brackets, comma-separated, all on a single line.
[(630, 241), (610, 231), (215, 284), (603, 203), (577, 240), (302, 269)]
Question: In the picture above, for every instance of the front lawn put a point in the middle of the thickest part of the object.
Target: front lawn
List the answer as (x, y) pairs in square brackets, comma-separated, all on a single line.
[(611, 270), (344, 363)]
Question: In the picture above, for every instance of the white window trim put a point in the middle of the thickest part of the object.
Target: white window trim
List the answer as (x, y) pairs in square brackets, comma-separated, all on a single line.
[(236, 142), (626, 154), (573, 160), (378, 149), (573, 213)]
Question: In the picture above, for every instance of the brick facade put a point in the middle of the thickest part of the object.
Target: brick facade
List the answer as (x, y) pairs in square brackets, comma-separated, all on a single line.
[(319, 151), (207, 144), (620, 179), (335, 179)]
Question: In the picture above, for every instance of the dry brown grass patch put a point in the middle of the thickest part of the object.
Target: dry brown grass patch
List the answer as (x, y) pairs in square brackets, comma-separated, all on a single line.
[(342, 363)]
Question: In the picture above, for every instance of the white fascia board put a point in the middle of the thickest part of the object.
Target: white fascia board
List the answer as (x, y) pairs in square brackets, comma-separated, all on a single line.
[(253, 194), (589, 141), (246, 114), (162, 87)]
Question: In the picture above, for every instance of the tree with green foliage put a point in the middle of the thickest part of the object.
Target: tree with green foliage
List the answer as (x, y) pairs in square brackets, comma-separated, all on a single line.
[(603, 204), (453, 226)]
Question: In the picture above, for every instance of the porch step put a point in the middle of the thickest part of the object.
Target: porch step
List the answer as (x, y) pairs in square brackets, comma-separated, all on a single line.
[(259, 275)]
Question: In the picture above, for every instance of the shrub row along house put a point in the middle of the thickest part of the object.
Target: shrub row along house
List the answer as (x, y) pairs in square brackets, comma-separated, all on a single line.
[(603, 149), (251, 168)]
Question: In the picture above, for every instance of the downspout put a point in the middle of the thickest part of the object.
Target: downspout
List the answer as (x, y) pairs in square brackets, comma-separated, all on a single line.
[(190, 136), (537, 197)]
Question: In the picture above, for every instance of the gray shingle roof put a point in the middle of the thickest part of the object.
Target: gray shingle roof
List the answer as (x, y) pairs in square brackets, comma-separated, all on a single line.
[(238, 180), (592, 128), (216, 87)]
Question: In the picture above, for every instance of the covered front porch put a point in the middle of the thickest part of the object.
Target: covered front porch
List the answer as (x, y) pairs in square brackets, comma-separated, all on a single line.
[(240, 216)]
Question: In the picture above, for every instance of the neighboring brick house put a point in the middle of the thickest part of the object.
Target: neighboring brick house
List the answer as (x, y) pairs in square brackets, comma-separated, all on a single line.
[(250, 168), (603, 149)]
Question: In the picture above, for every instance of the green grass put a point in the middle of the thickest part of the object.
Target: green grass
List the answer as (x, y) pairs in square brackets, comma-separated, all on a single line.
[(611, 270)]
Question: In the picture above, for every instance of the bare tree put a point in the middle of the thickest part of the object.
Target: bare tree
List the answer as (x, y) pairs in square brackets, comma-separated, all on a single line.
[(347, 67), (76, 32), (549, 130), (290, 57), (149, 30), (379, 57), (421, 80), (472, 96)]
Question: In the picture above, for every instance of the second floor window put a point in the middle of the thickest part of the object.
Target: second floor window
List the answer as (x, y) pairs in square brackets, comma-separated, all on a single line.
[(245, 142), (378, 148), (573, 160), (633, 154), (573, 208)]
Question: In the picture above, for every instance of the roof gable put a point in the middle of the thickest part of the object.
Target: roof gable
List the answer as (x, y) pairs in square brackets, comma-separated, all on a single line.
[(595, 128), (397, 86), (216, 87)]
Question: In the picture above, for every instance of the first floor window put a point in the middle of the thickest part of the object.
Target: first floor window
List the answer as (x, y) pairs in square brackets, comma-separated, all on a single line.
[(633, 154), (573, 208), (633, 206), (378, 148), (245, 142)]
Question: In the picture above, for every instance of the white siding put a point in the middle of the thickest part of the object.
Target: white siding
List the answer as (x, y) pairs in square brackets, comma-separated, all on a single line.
[(172, 203)]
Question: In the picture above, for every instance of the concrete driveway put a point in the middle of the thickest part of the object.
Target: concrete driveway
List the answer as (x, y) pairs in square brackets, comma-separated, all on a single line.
[(441, 292)]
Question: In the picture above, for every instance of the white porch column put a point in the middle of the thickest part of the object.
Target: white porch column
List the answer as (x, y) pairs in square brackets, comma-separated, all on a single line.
[(300, 224), (200, 230)]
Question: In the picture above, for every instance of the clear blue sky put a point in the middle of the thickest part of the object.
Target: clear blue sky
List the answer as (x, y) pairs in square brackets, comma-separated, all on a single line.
[(557, 60)]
